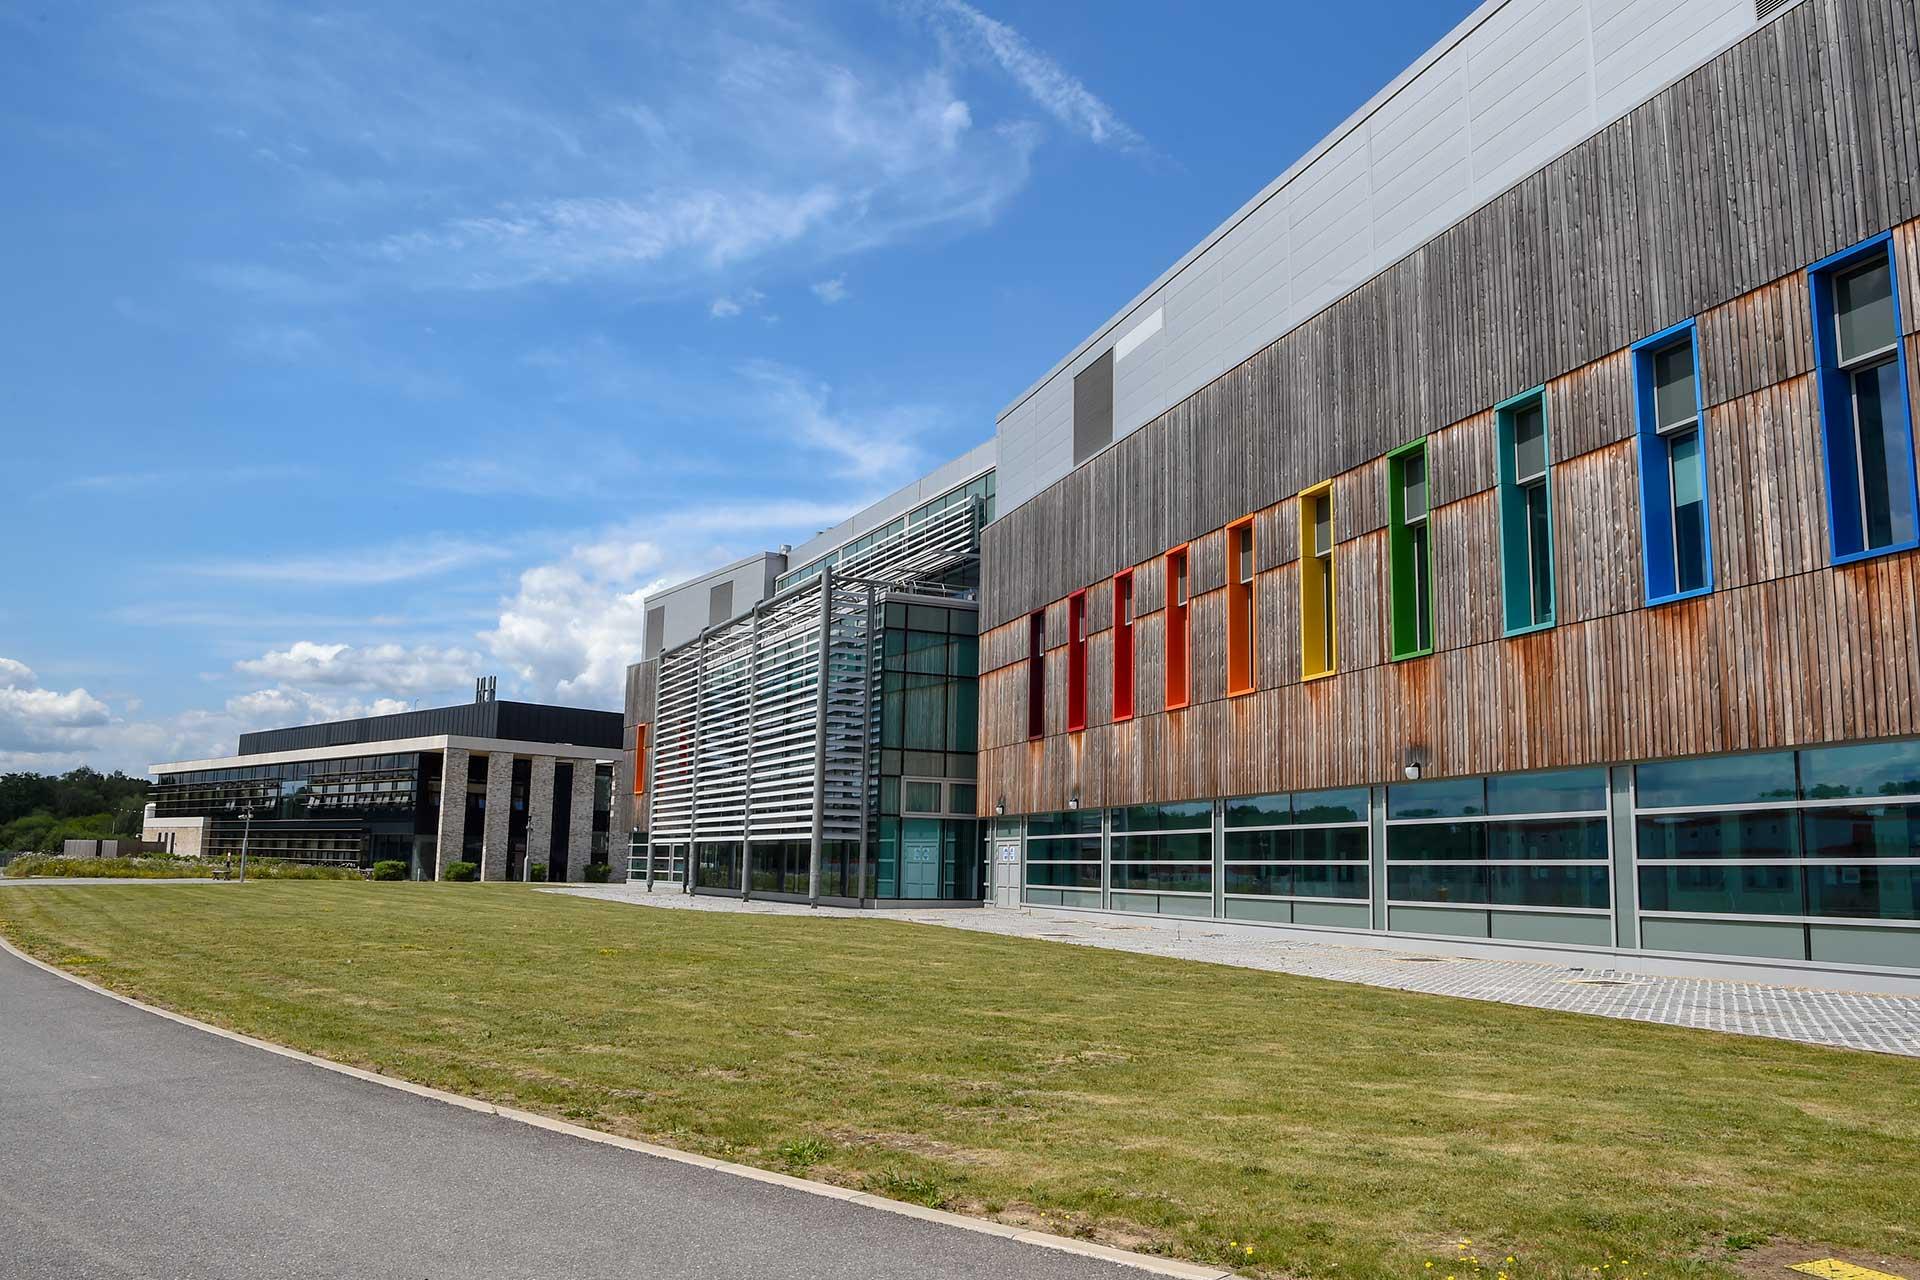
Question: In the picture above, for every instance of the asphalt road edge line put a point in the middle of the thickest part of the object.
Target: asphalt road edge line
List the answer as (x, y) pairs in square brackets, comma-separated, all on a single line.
[(826, 1190)]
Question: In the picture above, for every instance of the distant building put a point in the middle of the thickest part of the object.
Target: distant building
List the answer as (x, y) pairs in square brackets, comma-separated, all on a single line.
[(504, 785), (803, 724)]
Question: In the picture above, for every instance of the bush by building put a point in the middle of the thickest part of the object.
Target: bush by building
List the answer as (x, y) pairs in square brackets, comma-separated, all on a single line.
[(461, 871), (389, 869)]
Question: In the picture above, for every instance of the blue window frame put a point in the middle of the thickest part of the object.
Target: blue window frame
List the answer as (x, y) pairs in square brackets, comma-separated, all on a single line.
[(1526, 512), (1860, 361), (1676, 534)]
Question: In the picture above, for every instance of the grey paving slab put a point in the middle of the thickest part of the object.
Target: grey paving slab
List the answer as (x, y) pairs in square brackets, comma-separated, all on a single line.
[(137, 1147), (1852, 1020)]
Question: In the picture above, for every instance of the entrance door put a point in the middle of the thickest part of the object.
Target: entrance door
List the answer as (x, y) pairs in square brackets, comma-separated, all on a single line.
[(920, 874)]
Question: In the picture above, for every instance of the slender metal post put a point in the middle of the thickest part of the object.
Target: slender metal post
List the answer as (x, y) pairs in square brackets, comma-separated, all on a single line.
[(753, 703), (876, 644), (693, 769), (246, 832), (820, 737)]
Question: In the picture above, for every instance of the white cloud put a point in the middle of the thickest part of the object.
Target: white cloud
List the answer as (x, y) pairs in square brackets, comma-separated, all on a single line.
[(831, 291), (1044, 80), (574, 625), (726, 306), (17, 675), (374, 566), (389, 668)]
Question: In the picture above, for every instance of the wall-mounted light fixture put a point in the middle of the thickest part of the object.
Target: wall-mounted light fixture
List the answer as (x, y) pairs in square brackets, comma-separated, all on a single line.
[(1413, 768), (1000, 807), (1073, 801)]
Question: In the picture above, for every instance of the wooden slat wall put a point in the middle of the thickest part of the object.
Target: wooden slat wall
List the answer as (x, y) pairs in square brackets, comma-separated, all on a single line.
[(1707, 201)]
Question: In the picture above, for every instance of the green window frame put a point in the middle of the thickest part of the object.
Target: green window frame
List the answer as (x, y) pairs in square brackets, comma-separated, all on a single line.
[(1410, 551), (1528, 592)]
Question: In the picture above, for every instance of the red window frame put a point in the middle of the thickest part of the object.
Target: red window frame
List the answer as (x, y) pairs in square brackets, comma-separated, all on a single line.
[(1123, 645), (1076, 662), (1037, 674), (1179, 628)]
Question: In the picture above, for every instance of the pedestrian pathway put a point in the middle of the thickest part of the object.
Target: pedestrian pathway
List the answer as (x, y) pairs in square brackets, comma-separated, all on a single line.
[(1851, 1020)]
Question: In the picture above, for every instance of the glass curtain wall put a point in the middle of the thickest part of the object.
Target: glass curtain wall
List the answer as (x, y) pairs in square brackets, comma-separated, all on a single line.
[(1299, 858), (1808, 855), (1523, 856), (1162, 859), (1063, 859)]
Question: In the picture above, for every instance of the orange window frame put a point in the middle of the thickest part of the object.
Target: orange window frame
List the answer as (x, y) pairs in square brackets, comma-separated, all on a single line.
[(1123, 645), (639, 759), (1076, 662), (1241, 625), (1179, 628)]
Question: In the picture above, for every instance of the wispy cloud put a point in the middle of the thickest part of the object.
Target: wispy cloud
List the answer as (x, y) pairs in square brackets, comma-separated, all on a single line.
[(758, 140), (358, 567), (1044, 80), (831, 291)]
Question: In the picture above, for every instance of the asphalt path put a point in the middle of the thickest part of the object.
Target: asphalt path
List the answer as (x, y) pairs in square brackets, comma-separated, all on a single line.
[(133, 1146)]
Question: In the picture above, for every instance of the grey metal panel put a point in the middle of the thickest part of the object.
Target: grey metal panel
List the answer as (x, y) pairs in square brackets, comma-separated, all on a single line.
[(520, 721), (719, 603), (686, 609), (1516, 84), (1093, 408)]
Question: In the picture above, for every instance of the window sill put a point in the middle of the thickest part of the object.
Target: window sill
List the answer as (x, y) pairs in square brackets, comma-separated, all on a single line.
[(1309, 676), (1240, 693), (1530, 629), (1654, 602), (1892, 548), (1411, 654)]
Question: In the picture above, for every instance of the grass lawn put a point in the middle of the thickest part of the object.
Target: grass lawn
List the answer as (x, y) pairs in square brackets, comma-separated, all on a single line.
[(1341, 1131)]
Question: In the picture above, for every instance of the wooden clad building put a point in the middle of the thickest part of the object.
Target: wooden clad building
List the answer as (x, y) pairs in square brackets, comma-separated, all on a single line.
[(1534, 558)]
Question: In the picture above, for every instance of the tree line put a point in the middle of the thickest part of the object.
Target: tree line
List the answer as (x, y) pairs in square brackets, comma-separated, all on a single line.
[(39, 811)]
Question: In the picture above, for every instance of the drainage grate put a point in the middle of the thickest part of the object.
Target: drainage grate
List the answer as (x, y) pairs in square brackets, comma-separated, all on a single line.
[(1424, 959), (1604, 982)]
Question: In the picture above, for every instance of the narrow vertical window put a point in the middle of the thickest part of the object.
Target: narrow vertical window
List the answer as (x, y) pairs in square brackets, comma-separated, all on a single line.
[(1526, 512), (1076, 662), (639, 759), (1318, 650), (1865, 419), (1240, 613), (1037, 674), (1123, 645), (1673, 472), (1177, 628), (1410, 550)]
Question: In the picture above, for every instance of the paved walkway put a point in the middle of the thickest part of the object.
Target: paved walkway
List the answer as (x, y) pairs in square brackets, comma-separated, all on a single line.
[(137, 1147), (1884, 1024)]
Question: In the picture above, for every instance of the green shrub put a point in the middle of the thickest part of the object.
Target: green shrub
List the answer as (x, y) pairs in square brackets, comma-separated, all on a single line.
[(537, 872), (461, 871), (47, 864), (597, 872), (389, 869), (280, 869)]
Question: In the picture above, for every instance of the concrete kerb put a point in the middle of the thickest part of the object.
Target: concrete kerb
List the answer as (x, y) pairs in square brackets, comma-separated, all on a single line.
[(826, 1190)]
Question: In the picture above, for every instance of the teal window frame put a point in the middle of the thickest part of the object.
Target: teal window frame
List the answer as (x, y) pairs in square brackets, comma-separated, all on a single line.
[(1405, 561), (1516, 583)]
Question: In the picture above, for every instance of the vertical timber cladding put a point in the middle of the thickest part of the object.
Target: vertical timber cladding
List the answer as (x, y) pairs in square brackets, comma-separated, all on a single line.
[(1708, 201)]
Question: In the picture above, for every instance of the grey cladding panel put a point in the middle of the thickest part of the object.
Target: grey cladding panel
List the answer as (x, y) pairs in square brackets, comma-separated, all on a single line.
[(1093, 408), (656, 630), (719, 603)]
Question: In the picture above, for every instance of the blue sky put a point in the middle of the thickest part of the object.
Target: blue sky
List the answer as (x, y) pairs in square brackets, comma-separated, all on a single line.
[(349, 353)]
